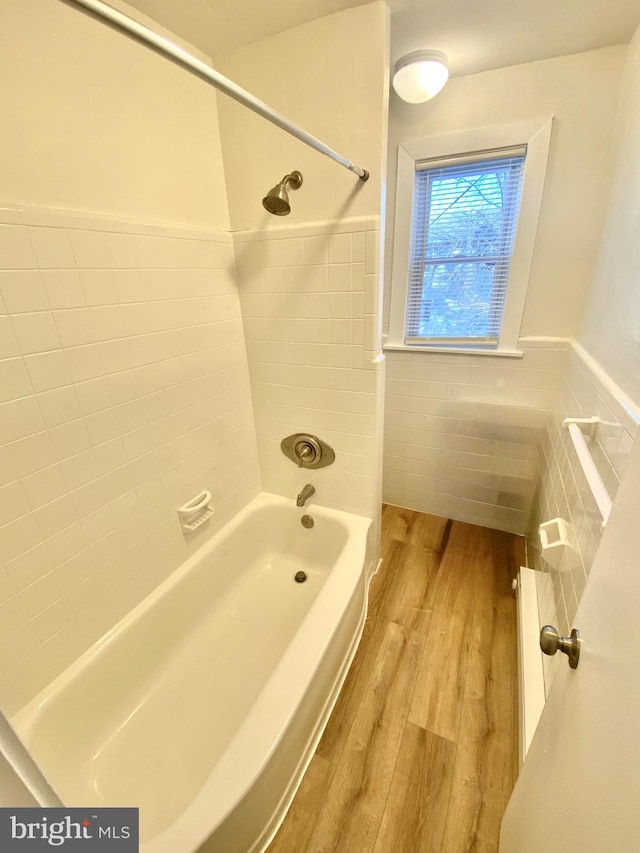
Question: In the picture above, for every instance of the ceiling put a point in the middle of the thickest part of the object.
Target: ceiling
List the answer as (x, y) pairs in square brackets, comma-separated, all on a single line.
[(477, 35), (216, 26)]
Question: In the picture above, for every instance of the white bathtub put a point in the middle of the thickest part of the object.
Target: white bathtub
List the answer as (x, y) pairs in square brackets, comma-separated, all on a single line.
[(203, 705)]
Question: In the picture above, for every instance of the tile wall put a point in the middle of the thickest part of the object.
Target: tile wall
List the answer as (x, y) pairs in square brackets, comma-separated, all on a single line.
[(463, 434), (563, 490), (480, 439), (309, 297), (124, 391)]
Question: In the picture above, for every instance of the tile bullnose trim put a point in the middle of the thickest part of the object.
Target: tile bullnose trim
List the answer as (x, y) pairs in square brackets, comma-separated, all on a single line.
[(319, 228), (86, 220), (630, 406)]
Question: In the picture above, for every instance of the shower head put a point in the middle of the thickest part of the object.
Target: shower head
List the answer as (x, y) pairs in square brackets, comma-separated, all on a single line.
[(276, 200)]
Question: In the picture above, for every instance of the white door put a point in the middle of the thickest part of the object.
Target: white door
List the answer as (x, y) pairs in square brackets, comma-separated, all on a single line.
[(579, 789)]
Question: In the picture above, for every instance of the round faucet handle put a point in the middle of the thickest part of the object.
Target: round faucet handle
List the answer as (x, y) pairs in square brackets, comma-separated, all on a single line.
[(305, 452)]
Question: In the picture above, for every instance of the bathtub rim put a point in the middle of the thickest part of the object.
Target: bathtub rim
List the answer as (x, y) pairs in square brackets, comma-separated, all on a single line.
[(225, 785)]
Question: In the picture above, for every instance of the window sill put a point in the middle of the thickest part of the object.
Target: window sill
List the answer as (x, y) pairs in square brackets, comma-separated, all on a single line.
[(493, 353)]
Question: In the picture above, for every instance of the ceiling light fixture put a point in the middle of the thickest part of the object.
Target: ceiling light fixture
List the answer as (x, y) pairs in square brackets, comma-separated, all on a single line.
[(420, 75)]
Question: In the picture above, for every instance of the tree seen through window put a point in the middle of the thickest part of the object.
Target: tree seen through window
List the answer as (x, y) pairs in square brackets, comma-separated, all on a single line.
[(464, 218)]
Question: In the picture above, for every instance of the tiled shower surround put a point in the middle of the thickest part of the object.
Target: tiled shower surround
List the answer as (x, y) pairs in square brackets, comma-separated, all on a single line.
[(125, 392), (126, 389), (309, 303)]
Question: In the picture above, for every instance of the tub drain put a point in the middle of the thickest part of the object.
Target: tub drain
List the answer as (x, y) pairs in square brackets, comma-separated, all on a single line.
[(300, 577)]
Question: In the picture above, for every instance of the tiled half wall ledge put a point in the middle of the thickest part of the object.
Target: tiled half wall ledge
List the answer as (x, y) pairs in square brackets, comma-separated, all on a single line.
[(481, 440), (464, 433), (470, 437), (586, 390)]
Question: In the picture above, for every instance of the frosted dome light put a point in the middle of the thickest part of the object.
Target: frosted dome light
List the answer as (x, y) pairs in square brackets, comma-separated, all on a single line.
[(420, 75)]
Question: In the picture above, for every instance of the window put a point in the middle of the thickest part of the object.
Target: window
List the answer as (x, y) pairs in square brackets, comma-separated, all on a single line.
[(462, 233), (462, 247)]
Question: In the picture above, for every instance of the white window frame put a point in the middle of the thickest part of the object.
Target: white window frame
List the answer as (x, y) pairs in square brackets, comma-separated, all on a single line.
[(536, 136)]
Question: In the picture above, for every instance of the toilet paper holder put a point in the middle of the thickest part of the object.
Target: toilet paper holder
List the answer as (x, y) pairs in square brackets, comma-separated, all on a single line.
[(556, 543)]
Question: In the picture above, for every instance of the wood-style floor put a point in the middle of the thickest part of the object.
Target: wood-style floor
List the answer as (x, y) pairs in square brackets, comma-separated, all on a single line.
[(420, 753)]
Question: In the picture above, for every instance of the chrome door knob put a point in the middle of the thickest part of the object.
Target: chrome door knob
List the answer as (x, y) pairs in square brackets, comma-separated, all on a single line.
[(551, 642)]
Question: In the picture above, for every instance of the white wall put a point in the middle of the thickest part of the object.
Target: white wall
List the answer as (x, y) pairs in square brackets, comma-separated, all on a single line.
[(581, 92), (449, 417), (93, 121), (329, 76), (611, 330)]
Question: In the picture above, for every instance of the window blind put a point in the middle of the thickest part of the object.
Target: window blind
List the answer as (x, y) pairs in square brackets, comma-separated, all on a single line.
[(463, 228)]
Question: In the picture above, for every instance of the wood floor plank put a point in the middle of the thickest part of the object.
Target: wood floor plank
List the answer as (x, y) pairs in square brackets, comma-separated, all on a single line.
[(420, 620), (484, 770), (396, 522), (443, 670), (354, 805), (397, 594), (519, 553), (416, 810), (302, 817), (441, 676), (414, 528), (476, 539), (428, 531), (411, 589)]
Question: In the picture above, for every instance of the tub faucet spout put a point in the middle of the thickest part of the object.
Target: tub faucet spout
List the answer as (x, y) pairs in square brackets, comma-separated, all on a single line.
[(305, 494)]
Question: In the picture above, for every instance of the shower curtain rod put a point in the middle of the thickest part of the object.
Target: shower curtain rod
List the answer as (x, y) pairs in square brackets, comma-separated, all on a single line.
[(205, 72)]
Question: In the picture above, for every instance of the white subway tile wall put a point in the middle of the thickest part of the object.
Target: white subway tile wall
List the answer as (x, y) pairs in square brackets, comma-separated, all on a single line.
[(124, 391), (463, 433), (481, 440), (564, 492), (309, 297)]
